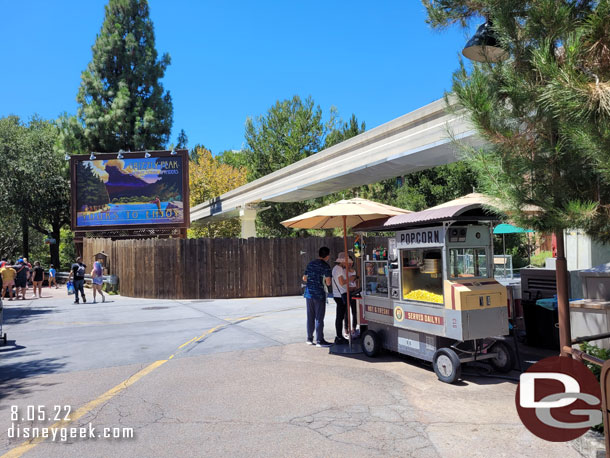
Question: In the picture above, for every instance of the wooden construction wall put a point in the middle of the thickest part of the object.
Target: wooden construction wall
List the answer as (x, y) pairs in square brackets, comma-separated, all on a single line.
[(212, 268)]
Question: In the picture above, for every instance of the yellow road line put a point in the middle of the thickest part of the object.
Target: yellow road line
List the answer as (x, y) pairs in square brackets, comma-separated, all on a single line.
[(28, 445), (186, 343)]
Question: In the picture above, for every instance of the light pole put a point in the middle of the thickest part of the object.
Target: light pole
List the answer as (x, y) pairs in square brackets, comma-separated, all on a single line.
[(484, 47)]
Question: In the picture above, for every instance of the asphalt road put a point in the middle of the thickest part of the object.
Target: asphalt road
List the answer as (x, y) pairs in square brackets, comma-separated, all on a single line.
[(232, 378)]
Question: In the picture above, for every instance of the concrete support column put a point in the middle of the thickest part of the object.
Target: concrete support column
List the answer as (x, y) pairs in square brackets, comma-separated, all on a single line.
[(248, 218)]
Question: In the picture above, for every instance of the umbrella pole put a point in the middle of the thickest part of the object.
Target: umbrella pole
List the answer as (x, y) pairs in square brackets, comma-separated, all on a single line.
[(349, 329), (504, 252)]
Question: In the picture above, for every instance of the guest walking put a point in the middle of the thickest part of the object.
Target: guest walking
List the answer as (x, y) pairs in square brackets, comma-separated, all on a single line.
[(97, 280)]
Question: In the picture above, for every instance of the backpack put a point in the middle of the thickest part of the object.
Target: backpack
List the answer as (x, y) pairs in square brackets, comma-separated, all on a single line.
[(80, 271)]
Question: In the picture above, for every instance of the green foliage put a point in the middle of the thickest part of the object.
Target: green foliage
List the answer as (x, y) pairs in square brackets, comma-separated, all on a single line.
[(122, 101), (290, 131), (235, 158), (344, 131), (516, 245), (67, 253), (10, 236), (539, 260), (183, 140), (428, 188), (209, 178), (601, 353), (544, 112), (35, 179), (597, 352)]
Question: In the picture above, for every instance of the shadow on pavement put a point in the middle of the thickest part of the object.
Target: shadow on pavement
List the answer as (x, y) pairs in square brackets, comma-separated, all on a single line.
[(473, 372), (14, 376), (17, 313)]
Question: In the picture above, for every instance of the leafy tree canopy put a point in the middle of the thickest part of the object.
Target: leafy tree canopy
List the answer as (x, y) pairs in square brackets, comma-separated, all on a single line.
[(122, 102), (544, 111), (209, 178), (34, 178)]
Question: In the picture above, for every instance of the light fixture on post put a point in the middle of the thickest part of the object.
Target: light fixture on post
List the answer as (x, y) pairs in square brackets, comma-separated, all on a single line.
[(67, 157), (173, 153), (146, 154), (92, 157), (483, 46), (120, 155)]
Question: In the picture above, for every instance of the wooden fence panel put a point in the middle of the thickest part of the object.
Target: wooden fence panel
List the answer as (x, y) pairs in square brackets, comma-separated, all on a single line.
[(214, 268)]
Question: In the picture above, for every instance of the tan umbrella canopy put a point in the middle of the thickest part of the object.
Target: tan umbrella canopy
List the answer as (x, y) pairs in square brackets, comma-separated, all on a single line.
[(355, 211), (343, 213)]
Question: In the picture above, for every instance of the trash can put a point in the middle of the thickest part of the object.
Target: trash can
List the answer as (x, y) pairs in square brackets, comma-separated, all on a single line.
[(541, 318)]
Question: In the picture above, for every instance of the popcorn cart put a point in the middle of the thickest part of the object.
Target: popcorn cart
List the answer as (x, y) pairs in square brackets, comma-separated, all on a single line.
[(435, 297)]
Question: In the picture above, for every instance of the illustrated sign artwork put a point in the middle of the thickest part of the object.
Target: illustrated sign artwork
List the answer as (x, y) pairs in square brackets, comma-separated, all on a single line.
[(129, 192)]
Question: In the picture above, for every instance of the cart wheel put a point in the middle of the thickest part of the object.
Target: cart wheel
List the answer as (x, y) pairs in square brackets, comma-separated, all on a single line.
[(447, 365), (504, 361), (370, 344)]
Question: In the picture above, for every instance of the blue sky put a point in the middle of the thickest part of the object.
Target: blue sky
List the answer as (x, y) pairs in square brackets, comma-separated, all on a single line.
[(233, 60)]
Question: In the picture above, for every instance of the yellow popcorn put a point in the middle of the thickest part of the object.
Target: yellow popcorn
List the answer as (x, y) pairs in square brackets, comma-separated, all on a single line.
[(425, 296)]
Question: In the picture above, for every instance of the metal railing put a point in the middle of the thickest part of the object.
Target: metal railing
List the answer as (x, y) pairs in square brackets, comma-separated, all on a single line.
[(110, 279), (604, 380)]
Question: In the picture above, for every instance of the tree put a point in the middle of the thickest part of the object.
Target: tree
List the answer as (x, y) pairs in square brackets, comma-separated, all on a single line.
[(183, 140), (15, 202), (290, 131), (544, 112), (431, 187), (34, 179), (344, 132), (122, 102), (209, 178), (234, 158)]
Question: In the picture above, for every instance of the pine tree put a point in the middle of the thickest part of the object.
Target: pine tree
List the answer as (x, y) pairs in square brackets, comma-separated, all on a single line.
[(544, 111), (122, 103)]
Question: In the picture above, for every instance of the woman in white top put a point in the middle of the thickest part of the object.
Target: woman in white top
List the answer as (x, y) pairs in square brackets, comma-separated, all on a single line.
[(341, 307), (339, 280)]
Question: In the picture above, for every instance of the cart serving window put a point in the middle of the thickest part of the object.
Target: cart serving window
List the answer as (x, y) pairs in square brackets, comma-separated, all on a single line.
[(422, 276), (468, 262)]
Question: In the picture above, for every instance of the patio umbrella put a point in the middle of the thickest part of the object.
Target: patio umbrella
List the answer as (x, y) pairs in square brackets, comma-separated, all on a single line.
[(503, 229), (344, 213)]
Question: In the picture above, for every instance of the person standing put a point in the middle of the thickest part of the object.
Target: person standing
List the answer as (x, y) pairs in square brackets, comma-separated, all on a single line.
[(21, 280), (52, 276), (318, 278), (341, 307), (77, 271), (8, 280), (352, 287), (97, 280), (37, 278)]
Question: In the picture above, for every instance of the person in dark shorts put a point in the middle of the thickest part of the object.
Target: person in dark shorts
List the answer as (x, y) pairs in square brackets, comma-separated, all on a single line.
[(21, 280), (318, 278), (78, 273), (37, 278)]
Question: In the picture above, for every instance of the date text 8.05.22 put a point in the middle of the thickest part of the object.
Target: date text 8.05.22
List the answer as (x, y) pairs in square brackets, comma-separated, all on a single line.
[(40, 413)]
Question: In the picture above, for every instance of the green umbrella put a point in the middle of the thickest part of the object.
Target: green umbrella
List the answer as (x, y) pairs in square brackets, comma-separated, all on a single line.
[(503, 229), (509, 229)]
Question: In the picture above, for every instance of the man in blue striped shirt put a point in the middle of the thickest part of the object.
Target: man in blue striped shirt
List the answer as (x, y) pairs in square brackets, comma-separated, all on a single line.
[(317, 274)]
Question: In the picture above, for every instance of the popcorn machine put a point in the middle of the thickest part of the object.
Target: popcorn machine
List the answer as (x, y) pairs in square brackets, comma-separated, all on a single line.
[(435, 297)]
